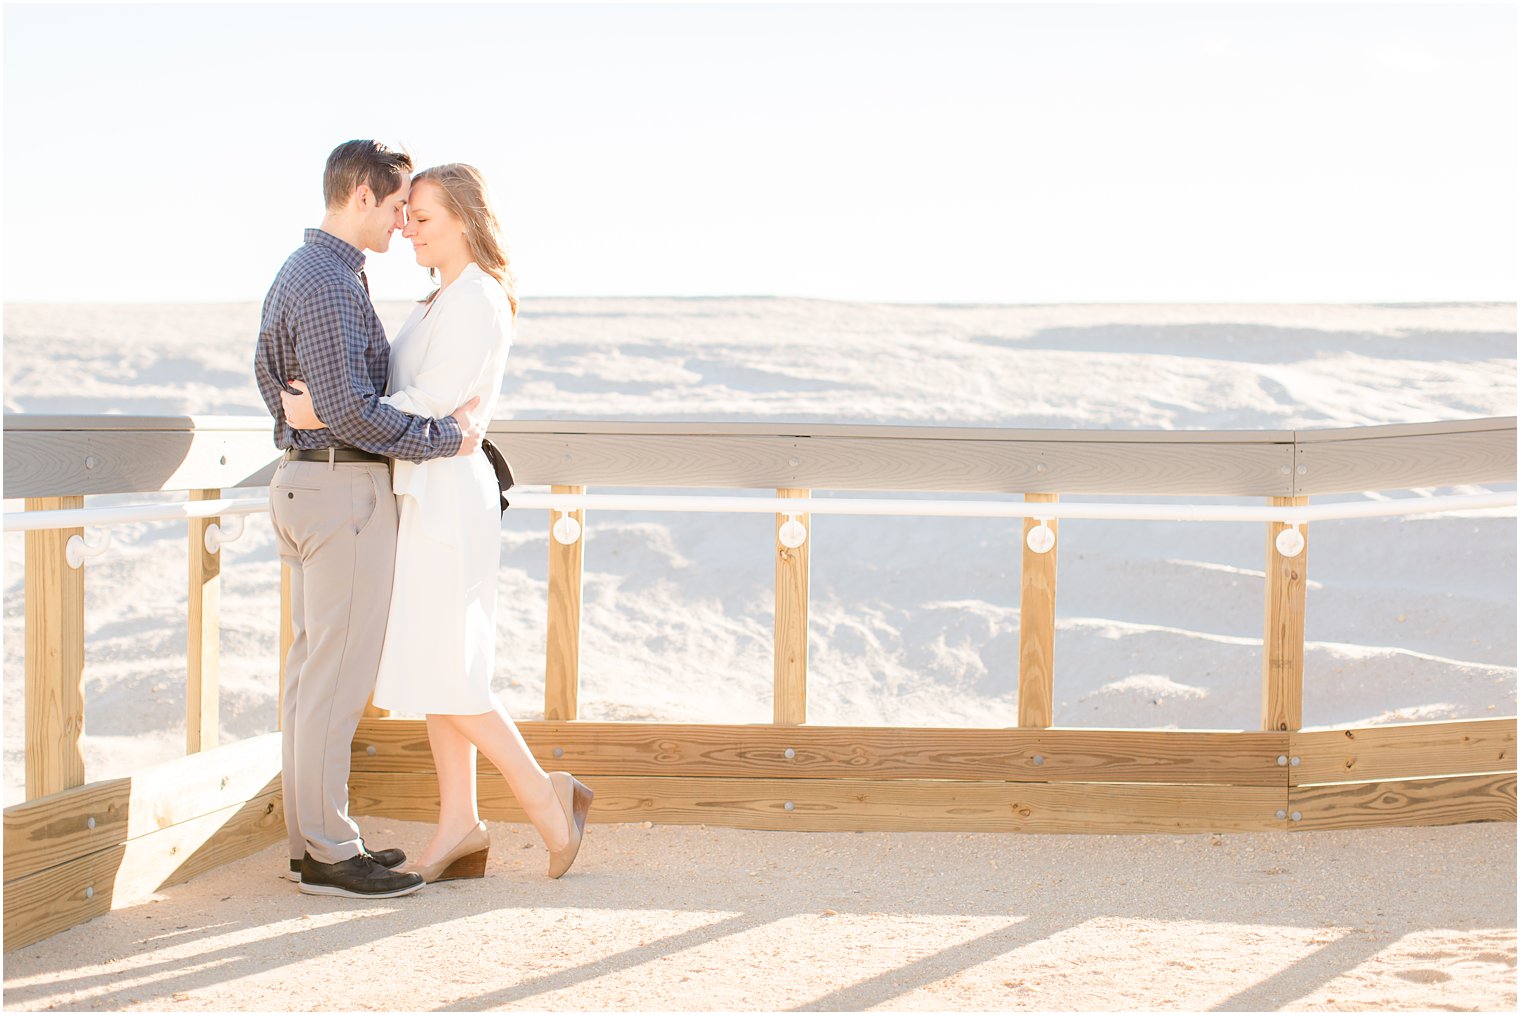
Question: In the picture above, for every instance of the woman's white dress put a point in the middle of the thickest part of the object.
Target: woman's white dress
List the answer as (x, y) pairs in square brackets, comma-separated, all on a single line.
[(440, 640)]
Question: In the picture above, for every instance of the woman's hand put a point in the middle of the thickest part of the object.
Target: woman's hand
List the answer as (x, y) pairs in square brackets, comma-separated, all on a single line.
[(299, 412)]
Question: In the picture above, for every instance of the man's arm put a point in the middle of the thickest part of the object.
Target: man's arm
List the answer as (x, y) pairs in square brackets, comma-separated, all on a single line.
[(329, 330)]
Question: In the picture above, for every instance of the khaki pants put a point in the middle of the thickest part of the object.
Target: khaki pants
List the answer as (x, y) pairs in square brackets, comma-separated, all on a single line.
[(336, 529)]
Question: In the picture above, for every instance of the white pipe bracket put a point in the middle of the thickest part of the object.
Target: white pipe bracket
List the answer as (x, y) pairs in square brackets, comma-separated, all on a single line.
[(81, 548)]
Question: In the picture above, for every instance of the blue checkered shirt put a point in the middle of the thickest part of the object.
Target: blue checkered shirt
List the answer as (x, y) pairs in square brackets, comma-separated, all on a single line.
[(319, 326)]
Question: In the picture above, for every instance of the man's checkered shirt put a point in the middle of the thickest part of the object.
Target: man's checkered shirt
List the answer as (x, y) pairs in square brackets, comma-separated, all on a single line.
[(319, 326)]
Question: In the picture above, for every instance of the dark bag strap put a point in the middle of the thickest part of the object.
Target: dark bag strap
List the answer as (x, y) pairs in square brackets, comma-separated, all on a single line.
[(503, 470)]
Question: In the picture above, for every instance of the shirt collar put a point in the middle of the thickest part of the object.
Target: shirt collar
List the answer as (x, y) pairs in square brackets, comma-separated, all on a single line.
[(347, 253)]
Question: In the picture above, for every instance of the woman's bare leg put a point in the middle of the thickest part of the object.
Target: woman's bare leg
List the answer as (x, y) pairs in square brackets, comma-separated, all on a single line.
[(497, 737), (454, 758)]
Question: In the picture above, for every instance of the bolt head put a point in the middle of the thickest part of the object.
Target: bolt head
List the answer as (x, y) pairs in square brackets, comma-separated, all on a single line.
[(1297, 815), (790, 806), (790, 752), (559, 752), (1282, 814), (1282, 759)]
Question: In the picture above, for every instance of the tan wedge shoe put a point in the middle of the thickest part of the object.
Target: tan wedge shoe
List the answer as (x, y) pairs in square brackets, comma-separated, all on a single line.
[(575, 797), (466, 860)]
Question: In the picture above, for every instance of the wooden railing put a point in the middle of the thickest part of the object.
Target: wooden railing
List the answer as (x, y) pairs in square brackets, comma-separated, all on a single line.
[(73, 849)]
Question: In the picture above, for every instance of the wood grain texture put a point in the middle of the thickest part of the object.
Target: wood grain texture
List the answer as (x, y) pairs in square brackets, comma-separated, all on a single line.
[(1282, 677), (789, 704), (64, 826), (54, 656), (1443, 800), (39, 462), (51, 455), (898, 463), (42, 904), (834, 805), (1407, 459), (203, 653), (1403, 751), (1037, 623), (1244, 758), (562, 652)]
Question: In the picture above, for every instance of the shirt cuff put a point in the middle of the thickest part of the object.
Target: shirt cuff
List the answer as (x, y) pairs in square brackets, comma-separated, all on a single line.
[(451, 437)]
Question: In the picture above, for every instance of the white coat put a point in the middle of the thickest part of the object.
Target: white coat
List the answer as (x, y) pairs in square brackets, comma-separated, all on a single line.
[(440, 640)]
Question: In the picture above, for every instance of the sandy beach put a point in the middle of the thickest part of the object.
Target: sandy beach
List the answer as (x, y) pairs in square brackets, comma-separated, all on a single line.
[(696, 918), (1407, 619)]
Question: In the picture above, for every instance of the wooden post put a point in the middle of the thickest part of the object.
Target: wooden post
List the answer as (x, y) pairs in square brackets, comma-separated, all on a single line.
[(1282, 678), (203, 654), (791, 648), (1037, 625), (562, 657), (54, 656)]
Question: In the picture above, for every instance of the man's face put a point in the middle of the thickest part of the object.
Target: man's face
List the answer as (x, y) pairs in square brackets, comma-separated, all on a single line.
[(385, 217)]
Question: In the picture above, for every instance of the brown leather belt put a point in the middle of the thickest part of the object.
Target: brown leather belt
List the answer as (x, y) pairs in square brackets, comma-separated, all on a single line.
[(334, 455)]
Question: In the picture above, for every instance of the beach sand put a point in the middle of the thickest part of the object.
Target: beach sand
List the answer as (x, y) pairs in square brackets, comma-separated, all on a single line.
[(913, 622), (696, 918)]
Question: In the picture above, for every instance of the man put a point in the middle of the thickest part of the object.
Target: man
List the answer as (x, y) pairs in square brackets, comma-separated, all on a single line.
[(333, 510)]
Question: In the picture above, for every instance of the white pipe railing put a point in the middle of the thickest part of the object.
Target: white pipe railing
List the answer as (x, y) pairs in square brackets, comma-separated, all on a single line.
[(25, 521)]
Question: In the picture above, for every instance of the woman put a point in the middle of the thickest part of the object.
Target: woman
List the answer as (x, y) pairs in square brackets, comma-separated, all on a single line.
[(440, 642)]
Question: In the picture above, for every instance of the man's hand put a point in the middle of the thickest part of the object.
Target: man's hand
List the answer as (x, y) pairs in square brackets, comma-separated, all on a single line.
[(299, 412), (469, 434)]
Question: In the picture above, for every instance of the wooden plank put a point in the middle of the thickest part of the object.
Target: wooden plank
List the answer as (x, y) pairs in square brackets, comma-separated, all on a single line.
[(1037, 623), (54, 656), (203, 655), (1244, 758), (48, 455), (1403, 751), (1407, 461), (1430, 428), (64, 826), (287, 636), (832, 805), (48, 462), (42, 904), (562, 655), (789, 704), (880, 463), (1444, 800), (1282, 679)]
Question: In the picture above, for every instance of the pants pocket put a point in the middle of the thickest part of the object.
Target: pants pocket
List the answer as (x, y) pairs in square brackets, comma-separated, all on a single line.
[(365, 499)]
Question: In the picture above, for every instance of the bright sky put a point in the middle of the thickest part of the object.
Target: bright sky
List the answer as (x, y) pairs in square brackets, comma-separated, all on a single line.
[(1001, 153)]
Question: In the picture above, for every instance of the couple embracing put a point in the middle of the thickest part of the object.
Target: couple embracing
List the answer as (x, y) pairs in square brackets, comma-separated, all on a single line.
[(387, 511)]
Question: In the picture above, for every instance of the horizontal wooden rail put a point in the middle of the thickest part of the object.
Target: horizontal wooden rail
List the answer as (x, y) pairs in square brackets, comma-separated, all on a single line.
[(49, 455), (1245, 758), (81, 852)]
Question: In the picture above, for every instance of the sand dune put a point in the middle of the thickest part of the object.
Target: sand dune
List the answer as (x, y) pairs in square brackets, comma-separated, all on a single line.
[(914, 621)]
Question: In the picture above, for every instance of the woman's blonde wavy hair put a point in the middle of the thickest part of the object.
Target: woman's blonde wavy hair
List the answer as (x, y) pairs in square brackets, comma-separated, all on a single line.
[(465, 195)]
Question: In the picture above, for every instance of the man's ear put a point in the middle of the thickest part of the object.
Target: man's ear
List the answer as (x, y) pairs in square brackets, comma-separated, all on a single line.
[(364, 198)]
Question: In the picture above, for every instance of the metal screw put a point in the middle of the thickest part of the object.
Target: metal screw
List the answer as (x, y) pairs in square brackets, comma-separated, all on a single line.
[(794, 461), (790, 805), (1295, 761), (90, 823), (1282, 759), (89, 461), (790, 753), (1282, 814), (1297, 815), (1303, 470), (1287, 470), (371, 750), (1039, 759), (89, 891), (559, 752), (1040, 467)]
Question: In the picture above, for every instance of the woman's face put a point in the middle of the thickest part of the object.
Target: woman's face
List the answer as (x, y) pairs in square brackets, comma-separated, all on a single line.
[(437, 235)]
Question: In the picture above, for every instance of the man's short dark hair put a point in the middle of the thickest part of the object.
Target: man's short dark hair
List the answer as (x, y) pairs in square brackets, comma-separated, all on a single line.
[(367, 162)]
